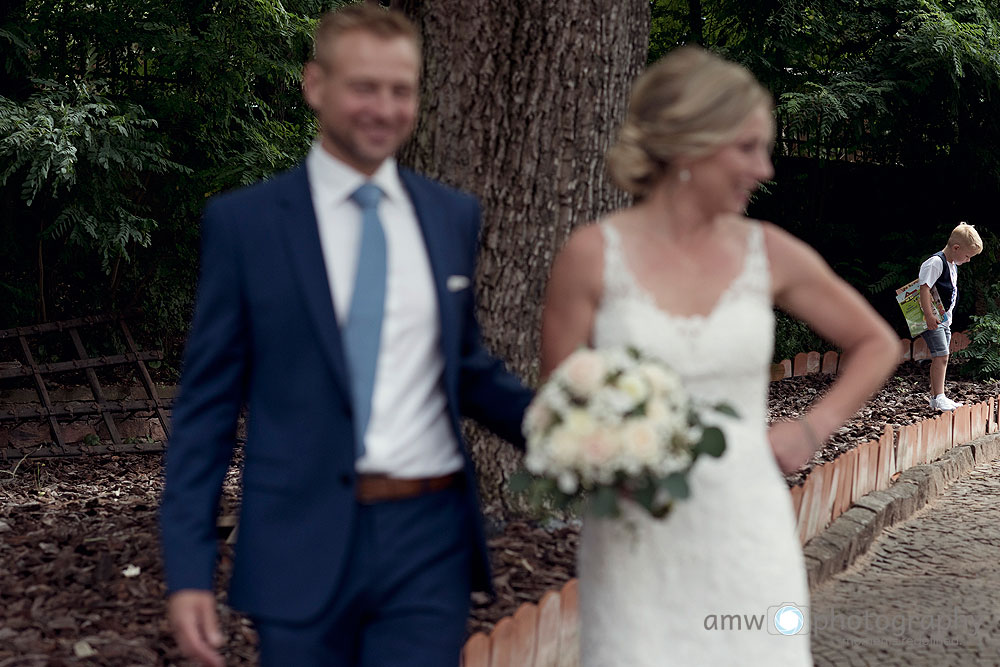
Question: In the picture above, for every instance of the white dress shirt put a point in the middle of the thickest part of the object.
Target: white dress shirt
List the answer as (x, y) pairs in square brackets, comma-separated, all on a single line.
[(409, 433), (931, 270)]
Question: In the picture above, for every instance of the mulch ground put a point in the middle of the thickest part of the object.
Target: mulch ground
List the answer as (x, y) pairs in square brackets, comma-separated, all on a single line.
[(81, 576)]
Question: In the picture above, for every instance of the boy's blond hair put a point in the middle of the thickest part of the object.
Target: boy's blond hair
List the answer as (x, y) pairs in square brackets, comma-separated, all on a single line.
[(966, 236)]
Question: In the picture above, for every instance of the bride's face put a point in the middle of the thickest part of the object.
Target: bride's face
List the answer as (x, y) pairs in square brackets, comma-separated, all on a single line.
[(726, 178)]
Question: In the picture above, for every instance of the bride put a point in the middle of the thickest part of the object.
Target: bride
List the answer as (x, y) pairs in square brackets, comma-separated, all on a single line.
[(685, 276)]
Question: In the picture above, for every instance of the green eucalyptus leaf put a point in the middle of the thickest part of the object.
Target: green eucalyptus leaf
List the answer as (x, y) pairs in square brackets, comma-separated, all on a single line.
[(713, 442), (604, 502), (644, 496), (676, 485), (520, 481), (726, 409)]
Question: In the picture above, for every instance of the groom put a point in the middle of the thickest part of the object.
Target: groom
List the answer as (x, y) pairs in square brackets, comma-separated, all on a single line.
[(336, 301)]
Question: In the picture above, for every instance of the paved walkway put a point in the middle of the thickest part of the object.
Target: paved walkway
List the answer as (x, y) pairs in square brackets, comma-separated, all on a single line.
[(928, 590)]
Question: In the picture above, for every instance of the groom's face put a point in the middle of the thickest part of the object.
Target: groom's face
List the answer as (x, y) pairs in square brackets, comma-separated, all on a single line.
[(364, 89)]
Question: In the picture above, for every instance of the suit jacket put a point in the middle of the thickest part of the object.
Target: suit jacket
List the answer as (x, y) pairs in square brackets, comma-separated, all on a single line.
[(265, 334)]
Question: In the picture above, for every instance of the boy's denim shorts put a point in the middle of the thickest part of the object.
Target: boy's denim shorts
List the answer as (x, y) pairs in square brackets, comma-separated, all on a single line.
[(939, 340)]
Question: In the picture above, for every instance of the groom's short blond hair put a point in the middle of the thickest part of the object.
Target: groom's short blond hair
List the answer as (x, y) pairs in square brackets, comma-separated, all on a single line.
[(384, 23)]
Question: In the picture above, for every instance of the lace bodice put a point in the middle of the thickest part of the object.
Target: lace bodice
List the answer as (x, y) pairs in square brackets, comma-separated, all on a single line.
[(723, 355)]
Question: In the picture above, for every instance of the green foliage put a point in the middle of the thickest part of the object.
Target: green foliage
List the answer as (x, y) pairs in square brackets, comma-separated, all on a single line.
[(118, 120), (981, 359), (85, 155), (792, 336), (896, 77)]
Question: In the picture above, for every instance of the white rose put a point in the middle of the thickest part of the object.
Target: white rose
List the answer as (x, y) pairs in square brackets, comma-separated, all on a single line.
[(674, 462), (656, 410), (563, 447), (538, 417), (634, 386), (617, 359), (599, 448), (535, 463), (555, 397), (665, 382), (612, 402), (579, 422), (656, 376), (642, 442), (583, 372)]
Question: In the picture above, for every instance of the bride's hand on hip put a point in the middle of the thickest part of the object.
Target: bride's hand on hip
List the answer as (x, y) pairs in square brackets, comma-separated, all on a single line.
[(791, 448)]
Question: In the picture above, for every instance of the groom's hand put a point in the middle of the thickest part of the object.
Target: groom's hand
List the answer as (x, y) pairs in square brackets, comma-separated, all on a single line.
[(196, 626)]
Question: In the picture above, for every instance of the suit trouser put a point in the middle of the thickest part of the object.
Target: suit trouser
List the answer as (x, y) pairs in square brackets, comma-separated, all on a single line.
[(403, 598)]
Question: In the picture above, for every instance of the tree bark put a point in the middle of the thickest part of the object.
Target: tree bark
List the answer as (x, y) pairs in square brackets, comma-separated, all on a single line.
[(520, 103)]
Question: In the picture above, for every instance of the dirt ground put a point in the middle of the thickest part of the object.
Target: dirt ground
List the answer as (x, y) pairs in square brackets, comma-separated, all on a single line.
[(81, 576)]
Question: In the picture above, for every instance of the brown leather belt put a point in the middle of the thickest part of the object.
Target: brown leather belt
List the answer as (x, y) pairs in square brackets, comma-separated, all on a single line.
[(380, 488)]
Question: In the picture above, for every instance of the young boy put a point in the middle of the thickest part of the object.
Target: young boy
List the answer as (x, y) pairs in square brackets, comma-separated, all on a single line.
[(963, 244)]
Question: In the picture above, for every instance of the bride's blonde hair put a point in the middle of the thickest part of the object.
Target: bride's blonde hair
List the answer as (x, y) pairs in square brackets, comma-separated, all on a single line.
[(688, 103)]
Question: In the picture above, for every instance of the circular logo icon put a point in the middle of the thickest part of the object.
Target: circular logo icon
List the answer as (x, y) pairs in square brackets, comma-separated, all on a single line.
[(789, 619)]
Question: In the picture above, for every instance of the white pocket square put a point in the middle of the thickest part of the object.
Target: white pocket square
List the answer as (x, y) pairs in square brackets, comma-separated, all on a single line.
[(456, 283)]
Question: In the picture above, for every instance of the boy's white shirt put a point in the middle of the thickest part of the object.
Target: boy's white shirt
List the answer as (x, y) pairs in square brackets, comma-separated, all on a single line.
[(931, 270)]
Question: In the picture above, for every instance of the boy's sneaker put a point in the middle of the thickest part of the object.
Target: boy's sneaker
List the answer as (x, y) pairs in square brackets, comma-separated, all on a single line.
[(944, 404)]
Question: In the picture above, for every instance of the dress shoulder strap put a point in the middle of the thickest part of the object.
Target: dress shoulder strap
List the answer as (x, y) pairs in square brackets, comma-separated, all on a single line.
[(757, 272), (617, 282)]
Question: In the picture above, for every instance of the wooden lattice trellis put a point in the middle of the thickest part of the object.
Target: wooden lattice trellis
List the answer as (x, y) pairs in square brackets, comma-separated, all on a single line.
[(55, 415)]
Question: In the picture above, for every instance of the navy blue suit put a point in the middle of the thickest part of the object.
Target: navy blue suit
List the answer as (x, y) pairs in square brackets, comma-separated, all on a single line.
[(265, 334)]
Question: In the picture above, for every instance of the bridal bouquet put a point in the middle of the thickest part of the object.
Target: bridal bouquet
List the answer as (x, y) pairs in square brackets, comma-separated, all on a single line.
[(610, 423)]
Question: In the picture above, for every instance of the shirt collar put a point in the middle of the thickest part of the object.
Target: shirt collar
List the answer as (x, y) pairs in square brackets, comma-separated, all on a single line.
[(338, 179)]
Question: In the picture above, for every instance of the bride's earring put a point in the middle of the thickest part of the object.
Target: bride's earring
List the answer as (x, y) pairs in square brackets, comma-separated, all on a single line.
[(684, 175)]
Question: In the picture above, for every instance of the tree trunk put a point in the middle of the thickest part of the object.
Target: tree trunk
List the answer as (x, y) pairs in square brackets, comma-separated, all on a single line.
[(521, 101)]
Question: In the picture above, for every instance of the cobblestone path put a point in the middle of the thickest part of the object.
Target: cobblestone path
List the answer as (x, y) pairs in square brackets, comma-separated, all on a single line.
[(928, 590)]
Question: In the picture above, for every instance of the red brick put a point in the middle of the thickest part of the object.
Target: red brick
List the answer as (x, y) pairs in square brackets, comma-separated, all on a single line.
[(805, 508), (800, 364), (886, 459), (547, 648), (524, 636), (907, 448), (813, 361), (569, 624), (979, 416), (476, 652), (845, 481), (959, 341), (830, 360)]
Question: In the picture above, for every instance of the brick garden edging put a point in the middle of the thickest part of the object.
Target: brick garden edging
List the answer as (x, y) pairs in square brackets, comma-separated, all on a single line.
[(542, 635), (810, 363)]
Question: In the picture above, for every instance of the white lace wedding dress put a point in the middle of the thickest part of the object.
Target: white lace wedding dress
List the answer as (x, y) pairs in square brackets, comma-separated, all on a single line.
[(699, 588)]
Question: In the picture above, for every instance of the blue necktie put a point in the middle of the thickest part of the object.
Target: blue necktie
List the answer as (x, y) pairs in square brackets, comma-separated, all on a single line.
[(364, 322)]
